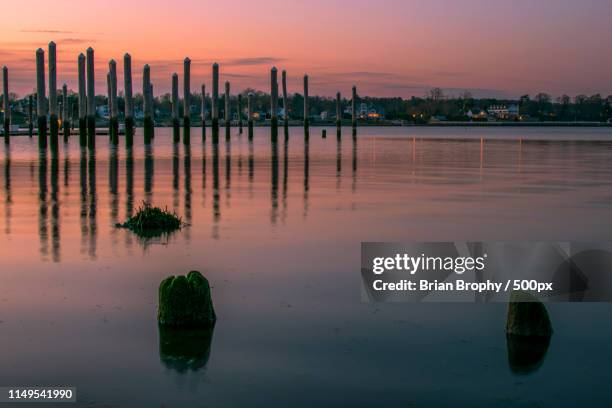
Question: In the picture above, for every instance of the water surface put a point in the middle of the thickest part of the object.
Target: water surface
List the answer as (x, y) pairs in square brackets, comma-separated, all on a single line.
[(277, 229)]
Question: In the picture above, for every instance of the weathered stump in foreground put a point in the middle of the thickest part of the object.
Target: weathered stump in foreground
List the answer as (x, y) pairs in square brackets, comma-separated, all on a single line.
[(527, 316), (185, 301)]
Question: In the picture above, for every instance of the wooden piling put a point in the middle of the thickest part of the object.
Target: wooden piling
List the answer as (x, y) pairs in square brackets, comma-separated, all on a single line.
[(129, 100), (324, 133), (41, 102), (53, 119), (203, 112), (186, 101), (114, 111), (147, 101), (274, 103), (82, 101), (30, 116), (6, 106), (285, 103), (108, 102), (250, 114), (227, 113), (215, 99), (354, 109), (306, 110), (65, 120), (338, 116), (91, 100), (176, 133)]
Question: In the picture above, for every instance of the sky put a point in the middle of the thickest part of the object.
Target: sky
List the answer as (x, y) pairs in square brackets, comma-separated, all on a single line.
[(384, 47)]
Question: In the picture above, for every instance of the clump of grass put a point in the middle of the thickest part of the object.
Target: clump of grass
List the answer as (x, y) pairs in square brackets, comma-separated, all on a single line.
[(152, 221)]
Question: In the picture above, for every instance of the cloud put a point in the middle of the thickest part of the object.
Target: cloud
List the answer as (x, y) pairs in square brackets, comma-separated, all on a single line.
[(253, 61), (48, 31)]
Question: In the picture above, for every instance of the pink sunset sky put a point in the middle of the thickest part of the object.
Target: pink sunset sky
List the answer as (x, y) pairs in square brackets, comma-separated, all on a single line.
[(385, 47)]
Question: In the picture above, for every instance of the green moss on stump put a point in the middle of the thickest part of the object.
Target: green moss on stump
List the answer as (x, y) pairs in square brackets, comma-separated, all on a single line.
[(527, 316), (185, 301), (152, 221)]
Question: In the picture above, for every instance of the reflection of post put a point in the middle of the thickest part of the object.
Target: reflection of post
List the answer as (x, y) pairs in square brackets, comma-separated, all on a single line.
[(306, 177), (338, 163), (285, 177), (251, 164), (216, 206), (43, 232), (203, 175), (8, 197), (354, 184), (129, 189), (113, 184), (175, 177), (228, 172), (55, 210), (93, 204), (187, 200), (83, 197), (274, 193), (148, 181), (481, 156)]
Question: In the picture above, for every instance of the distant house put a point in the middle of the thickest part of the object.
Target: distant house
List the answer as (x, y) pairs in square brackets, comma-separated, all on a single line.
[(102, 111), (477, 114), (324, 115), (437, 119), (504, 112)]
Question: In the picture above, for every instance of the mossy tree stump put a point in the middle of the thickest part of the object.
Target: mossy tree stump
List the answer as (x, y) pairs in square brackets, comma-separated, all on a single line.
[(185, 302)]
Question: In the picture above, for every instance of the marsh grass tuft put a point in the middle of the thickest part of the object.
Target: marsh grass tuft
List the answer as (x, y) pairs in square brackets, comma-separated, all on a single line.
[(152, 221)]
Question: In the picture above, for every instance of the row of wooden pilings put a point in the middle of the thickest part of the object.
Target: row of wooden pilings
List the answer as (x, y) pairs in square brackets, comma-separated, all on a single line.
[(87, 104)]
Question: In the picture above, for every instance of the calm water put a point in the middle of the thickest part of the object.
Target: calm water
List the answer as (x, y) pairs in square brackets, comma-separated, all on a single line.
[(277, 231)]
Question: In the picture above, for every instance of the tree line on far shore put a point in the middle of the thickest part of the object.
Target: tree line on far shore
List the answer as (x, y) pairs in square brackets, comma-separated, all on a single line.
[(540, 107)]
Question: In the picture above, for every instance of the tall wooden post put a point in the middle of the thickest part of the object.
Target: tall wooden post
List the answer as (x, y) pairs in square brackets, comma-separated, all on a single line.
[(227, 113), (274, 103), (285, 103), (91, 100), (147, 108), (176, 133), (338, 115), (203, 112), (41, 102), (30, 116), (215, 100), (186, 100), (6, 106), (82, 101), (108, 102), (65, 120), (306, 109), (114, 112), (250, 114), (239, 109), (53, 119), (129, 100), (354, 109)]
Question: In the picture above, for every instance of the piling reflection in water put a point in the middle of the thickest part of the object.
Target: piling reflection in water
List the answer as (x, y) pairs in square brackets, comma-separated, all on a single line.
[(149, 162), (187, 198), (216, 205), (113, 188), (184, 350), (8, 197), (43, 231), (55, 208), (228, 172), (306, 175), (93, 205), (83, 199), (129, 189), (274, 182)]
